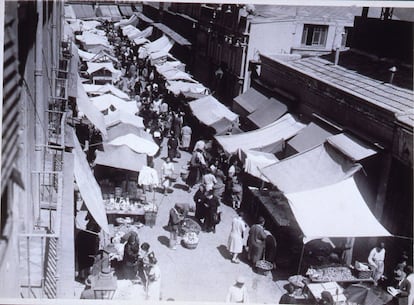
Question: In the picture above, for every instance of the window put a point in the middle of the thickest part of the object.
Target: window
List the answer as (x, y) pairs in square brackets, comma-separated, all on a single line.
[(314, 35)]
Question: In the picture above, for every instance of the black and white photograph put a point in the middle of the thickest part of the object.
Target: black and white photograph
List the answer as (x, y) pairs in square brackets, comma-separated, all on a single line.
[(241, 152)]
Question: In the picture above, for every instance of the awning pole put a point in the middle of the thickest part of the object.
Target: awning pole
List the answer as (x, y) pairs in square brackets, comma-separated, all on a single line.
[(301, 258)]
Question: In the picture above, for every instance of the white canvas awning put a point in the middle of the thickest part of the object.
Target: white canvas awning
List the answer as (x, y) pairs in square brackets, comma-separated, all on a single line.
[(351, 147), (133, 21), (283, 129), (89, 38), (175, 74), (89, 110), (161, 44), (105, 101), (337, 210), (88, 187), (120, 157), (254, 160), (122, 117), (96, 66), (177, 87), (314, 168), (103, 89), (209, 110), (137, 144)]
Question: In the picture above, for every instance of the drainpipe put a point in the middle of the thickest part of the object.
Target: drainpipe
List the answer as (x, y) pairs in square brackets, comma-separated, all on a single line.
[(39, 105), (55, 45)]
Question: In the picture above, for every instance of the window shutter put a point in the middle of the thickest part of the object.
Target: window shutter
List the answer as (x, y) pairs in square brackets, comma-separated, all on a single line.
[(11, 96)]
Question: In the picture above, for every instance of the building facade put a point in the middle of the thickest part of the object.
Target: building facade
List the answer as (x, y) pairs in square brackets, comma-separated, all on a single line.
[(34, 101)]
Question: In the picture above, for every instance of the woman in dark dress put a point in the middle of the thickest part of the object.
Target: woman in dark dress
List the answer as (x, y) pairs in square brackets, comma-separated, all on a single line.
[(199, 199), (211, 215)]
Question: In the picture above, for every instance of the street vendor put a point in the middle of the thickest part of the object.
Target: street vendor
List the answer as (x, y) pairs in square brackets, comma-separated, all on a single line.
[(174, 221), (376, 261), (256, 241)]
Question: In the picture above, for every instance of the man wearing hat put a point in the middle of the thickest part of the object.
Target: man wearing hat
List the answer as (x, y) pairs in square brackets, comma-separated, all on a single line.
[(256, 241), (238, 292)]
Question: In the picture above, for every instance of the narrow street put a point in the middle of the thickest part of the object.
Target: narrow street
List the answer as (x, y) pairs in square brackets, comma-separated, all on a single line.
[(205, 273)]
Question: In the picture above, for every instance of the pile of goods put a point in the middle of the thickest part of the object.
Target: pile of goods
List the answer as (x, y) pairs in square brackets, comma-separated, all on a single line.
[(190, 240), (121, 204), (264, 266), (330, 274), (190, 225)]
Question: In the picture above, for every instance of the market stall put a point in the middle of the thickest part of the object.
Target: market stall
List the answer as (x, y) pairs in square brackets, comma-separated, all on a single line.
[(104, 89), (210, 112), (269, 138), (111, 103), (103, 71)]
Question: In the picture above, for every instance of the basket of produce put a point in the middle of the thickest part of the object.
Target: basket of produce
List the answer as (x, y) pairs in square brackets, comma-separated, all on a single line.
[(190, 240), (189, 225), (264, 266)]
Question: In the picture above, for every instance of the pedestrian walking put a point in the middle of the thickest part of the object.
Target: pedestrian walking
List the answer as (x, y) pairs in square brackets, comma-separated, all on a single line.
[(167, 170), (235, 242), (238, 292), (172, 145), (256, 241), (199, 199), (209, 180), (153, 280), (173, 223), (186, 132), (197, 162)]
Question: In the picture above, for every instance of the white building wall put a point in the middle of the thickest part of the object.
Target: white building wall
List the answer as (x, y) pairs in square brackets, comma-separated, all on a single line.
[(268, 38)]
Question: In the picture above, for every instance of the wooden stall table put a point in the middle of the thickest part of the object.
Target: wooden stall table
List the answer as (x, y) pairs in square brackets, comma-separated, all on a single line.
[(337, 292)]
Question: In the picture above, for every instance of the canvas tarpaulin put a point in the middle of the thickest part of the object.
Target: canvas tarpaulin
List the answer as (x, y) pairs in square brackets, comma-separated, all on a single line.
[(83, 25), (161, 44), (122, 117), (337, 210), (208, 111), (177, 87), (310, 136), (69, 12), (83, 11), (317, 167), (137, 144), (105, 101), (351, 147), (88, 187), (118, 130), (249, 101), (254, 160), (89, 110), (89, 38), (267, 113), (96, 66), (283, 129), (175, 74), (127, 11), (170, 65), (172, 34), (120, 157), (133, 21), (103, 89)]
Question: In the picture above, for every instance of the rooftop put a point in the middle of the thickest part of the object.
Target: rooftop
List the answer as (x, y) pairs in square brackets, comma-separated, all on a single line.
[(325, 13), (397, 100)]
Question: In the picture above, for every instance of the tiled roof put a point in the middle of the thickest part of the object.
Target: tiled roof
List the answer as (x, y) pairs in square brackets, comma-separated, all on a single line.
[(325, 13), (398, 100)]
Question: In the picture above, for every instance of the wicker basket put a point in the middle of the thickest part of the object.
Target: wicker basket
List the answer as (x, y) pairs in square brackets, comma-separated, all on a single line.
[(264, 266), (363, 274), (189, 245)]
